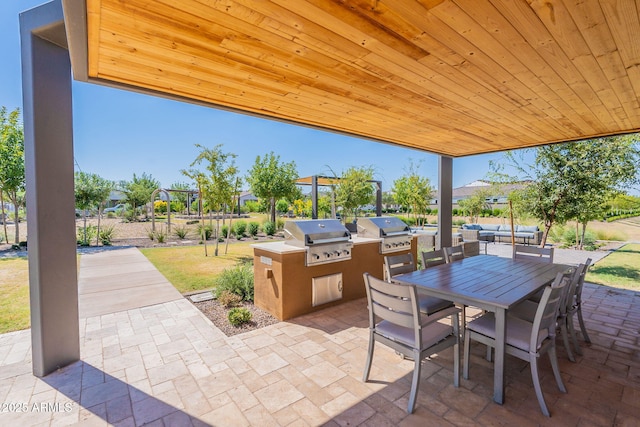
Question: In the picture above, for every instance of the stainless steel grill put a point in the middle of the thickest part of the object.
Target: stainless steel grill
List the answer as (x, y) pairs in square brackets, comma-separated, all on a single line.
[(326, 240), (395, 234)]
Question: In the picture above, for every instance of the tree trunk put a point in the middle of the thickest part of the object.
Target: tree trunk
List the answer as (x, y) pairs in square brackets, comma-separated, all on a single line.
[(4, 217), (217, 234), (98, 230), (273, 210), (584, 231), (13, 196), (578, 240), (226, 246), (545, 234)]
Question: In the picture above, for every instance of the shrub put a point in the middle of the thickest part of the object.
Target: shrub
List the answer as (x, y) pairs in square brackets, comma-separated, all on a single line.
[(459, 222), (160, 235), (569, 239), (180, 231), (92, 232), (239, 315), (160, 206), (279, 223), (207, 231), (151, 234), (239, 229), (269, 228), (229, 299), (253, 228), (237, 280), (106, 235), (224, 231)]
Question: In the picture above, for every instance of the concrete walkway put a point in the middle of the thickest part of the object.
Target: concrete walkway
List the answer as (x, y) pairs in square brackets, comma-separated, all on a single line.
[(167, 365), (118, 279)]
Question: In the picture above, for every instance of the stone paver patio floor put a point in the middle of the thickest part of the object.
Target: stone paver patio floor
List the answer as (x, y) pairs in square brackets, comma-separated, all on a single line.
[(166, 364)]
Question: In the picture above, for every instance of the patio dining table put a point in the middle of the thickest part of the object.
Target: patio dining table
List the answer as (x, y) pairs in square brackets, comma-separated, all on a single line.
[(490, 283)]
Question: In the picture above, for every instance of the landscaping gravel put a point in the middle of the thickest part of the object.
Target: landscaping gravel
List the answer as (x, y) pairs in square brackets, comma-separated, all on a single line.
[(218, 316)]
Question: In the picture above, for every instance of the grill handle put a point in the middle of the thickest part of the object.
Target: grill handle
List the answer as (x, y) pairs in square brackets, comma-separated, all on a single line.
[(394, 233), (325, 241)]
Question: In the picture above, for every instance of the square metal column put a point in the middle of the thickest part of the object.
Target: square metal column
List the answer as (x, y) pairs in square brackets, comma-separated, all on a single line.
[(445, 199), (48, 130)]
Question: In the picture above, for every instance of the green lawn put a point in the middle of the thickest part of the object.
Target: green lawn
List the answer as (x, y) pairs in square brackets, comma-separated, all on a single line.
[(189, 270), (14, 294), (621, 269)]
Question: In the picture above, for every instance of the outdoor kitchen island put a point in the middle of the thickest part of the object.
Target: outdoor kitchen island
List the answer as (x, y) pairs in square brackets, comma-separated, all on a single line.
[(288, 284)]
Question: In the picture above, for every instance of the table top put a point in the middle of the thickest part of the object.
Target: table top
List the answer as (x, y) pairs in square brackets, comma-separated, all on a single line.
[(485, 281)]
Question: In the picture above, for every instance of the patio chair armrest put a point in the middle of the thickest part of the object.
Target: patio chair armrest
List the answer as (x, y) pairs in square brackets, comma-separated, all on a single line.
[(426, 320)]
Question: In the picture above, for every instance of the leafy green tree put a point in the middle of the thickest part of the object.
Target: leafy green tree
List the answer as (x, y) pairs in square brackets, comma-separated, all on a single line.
[(12, 173), (179, 196), (220, 184), (282, 206), (271, 179), (413, 192), (567, 180), (91, 191), (138, 191), (355, 189), (475, 204)]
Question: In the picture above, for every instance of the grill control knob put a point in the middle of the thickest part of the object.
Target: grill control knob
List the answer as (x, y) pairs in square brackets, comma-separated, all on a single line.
[(316, 256), (327, 255), (346, 251), (337, 253)]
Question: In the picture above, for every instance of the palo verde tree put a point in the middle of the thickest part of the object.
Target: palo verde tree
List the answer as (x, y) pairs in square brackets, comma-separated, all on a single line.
[(271, 179), (563, 179), (355, 189), (413, 192), (12, 173), (138, 191), (91, 191)]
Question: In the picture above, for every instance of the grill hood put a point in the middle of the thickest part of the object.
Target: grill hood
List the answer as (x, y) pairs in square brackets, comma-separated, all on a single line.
[(382, 226), (315, 232)]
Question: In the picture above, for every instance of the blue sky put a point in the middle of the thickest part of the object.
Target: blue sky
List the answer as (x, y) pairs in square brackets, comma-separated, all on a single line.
[(119, 133)]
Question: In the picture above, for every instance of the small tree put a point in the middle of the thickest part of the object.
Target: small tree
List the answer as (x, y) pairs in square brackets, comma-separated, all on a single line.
[(271, 179), (413, 192), (138, 191), (91, 191), (12, 174), (355, 189), (475, 204)]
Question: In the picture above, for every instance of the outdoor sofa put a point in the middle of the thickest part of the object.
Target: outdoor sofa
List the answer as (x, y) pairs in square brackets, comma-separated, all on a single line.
[(527, 234)]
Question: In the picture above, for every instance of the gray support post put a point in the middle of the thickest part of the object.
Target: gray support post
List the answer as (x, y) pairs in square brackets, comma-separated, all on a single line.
[(48, 131), (445, 199), (378, 198), (314, 197)]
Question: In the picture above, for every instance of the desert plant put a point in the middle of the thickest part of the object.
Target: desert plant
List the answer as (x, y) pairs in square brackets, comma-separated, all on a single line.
[(239, 315), (239, 229), (253, 228), (269, 228), (181, 231), (238, 280), (224, 231), (90, 234), (151, 234), (107, 234), (569, 239), (229, 299), (208, 231), (279, 224), (161, 235)]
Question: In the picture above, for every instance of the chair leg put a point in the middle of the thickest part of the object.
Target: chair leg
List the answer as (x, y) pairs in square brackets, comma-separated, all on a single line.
[(565, 338), (489, 354), (367, 366), (582, 327), (533, 362), (572, 331), (466, 351), (456, 351), (415, 382), (553, 358)]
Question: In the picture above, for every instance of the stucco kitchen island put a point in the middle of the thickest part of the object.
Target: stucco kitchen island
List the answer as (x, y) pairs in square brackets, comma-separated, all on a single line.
[(286, 287)]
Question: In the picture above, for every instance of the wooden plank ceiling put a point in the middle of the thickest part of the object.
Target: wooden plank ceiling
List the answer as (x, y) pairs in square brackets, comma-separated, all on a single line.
[(451, 77)]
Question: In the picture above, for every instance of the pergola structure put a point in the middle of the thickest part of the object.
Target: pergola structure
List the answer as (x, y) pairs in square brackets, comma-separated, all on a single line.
[(452, 77), (318, 180)]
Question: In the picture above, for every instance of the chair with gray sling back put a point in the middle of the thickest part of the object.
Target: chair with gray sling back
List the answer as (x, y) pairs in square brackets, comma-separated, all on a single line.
[(533, 253), (526, 340), (574, 306), (396, 321), (400, 264)]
